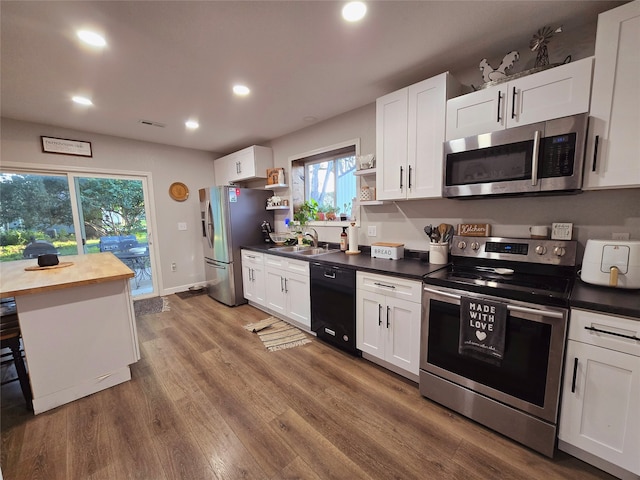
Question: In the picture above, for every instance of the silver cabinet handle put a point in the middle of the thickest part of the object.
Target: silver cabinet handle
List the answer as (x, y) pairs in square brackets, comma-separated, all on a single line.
[(286, 289), (378, 284)]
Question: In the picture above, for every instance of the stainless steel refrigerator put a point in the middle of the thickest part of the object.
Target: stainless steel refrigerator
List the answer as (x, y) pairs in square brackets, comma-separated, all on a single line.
[(231, 218)]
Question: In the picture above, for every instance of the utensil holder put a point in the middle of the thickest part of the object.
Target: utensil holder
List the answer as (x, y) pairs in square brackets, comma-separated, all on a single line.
[(439, 253)]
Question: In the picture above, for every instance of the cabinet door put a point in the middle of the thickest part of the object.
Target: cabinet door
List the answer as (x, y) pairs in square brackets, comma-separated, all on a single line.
[(370, 311), (224, 169), (275, 294), (248, 286), (478, 112), (614, 143), (427, 111), (553, 93), (600, 415), (298, 299), (259, 285), (402, 347), (391, 145)]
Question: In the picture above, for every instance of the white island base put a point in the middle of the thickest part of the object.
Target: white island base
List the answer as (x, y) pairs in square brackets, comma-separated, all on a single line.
[(77, 340)]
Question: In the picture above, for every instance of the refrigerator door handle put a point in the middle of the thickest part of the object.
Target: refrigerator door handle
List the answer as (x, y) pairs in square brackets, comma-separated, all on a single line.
[(210, 232), (214, 264)]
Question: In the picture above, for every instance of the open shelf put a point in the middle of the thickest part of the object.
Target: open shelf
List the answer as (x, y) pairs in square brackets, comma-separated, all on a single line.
[(368, 171), (276, 186), (278, 207), (371, 202)]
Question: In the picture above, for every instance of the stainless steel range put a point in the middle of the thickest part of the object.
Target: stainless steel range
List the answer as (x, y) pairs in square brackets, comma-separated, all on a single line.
[(513, 293)]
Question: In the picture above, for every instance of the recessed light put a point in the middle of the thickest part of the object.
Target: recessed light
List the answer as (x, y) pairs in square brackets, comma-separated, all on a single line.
[(241, 90), (354, 11), (191, 124), (92, 38), (82, 100)]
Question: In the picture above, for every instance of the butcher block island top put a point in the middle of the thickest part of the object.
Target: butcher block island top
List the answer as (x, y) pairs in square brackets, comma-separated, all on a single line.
[(85, 270)]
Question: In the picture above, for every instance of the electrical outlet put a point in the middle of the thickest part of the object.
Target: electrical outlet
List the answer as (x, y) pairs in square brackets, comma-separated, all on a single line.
[(182, 226), (371, 230), (620, 236), (174, 267)]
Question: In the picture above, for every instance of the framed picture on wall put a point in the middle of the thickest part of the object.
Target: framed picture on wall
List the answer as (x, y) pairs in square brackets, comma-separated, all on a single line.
[(65, 146)]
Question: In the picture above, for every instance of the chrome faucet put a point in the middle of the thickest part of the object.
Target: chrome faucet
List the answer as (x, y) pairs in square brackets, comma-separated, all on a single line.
[(314, 236)]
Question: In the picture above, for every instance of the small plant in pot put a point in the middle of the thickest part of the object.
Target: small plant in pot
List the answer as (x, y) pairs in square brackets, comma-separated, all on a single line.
[(344, 216), (331, 213), (307, 212)]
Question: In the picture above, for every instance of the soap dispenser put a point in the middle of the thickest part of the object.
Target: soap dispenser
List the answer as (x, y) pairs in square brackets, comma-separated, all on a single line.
[(344, 240)]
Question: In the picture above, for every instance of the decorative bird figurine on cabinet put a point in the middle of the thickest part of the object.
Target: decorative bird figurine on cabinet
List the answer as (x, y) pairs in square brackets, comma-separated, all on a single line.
[(489, 74)]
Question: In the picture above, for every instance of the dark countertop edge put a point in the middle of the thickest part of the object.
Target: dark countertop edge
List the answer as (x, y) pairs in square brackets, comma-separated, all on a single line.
[(615, 301), (413, 266)]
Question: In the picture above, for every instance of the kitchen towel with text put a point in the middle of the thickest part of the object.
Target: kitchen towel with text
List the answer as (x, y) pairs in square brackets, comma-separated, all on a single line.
[(483, 325)]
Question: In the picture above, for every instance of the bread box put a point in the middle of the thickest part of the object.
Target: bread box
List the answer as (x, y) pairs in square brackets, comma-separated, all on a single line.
[(392, 251), (612, 263)]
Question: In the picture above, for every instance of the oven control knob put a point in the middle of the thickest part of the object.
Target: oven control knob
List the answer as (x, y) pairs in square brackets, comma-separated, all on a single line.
[(475, 246), (462, 245), (541, 249), (559, 251)]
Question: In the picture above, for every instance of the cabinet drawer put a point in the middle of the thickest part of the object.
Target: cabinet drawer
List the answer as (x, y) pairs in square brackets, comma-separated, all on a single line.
[(287, 264), (409, 290), (252, 258), (582, 321)]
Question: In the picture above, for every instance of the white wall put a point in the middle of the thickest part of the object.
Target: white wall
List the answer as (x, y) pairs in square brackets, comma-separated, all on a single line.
[(594, 214), (21, 145)]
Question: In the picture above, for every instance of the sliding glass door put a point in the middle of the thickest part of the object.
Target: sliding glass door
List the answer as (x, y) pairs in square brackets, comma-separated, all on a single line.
[(70, 214)]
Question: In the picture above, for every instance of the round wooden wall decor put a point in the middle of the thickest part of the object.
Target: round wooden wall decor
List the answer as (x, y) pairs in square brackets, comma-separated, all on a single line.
[(179, 191)]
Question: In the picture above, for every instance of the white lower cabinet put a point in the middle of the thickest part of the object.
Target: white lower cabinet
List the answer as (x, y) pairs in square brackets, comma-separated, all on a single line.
[(600, 414), (253, 277), (388, 312), (287, 288)]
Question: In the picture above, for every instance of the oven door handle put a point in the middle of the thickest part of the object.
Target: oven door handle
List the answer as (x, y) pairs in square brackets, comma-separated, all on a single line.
[(511, 308)]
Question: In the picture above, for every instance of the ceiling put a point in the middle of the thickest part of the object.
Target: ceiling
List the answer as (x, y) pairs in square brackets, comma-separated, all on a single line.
[(170, 61)]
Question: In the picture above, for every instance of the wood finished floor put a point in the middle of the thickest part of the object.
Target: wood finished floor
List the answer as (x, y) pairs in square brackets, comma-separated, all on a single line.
[(207, 401)]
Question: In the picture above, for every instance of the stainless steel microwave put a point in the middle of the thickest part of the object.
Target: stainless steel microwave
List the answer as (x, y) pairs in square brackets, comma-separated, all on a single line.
[(544, 157)]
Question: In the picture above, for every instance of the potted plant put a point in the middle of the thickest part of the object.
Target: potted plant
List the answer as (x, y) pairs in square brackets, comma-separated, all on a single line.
[(322, 210), (306, 212), (345, 211), (331, 213)]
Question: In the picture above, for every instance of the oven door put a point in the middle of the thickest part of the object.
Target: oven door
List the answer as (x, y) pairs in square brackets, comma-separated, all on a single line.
[(527, 378)]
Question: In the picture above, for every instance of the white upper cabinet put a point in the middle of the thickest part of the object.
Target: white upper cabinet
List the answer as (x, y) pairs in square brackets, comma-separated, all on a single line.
[(613, 145), (410, 126), (553, 93), (246, 164)]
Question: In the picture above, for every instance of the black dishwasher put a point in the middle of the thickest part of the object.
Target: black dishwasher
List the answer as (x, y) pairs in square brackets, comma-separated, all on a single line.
[(333, 305)]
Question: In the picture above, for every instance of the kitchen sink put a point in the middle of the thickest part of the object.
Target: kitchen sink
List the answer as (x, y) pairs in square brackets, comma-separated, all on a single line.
[(292, 248), (310, 252), (304, 250)]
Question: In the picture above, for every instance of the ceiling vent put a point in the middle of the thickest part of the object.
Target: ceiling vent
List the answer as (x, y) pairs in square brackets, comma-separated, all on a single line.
[(152, 124)]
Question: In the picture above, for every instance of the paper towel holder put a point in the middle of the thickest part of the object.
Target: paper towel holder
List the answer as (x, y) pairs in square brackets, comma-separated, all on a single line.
[(353, 240)]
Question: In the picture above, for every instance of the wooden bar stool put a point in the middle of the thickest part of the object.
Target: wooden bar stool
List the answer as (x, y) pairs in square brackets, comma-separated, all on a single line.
[(10, 338)]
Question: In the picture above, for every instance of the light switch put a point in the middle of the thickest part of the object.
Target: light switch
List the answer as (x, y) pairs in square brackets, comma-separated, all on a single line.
[(182, 225)]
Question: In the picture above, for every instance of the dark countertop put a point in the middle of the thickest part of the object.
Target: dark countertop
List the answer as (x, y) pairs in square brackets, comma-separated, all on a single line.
[(616, 301), (413, 268)]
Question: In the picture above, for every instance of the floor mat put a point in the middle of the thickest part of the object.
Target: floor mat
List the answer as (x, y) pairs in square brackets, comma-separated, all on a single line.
[(278, 335)]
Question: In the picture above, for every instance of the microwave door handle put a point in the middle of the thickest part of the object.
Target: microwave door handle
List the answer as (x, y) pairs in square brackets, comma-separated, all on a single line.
[(534, 159)]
